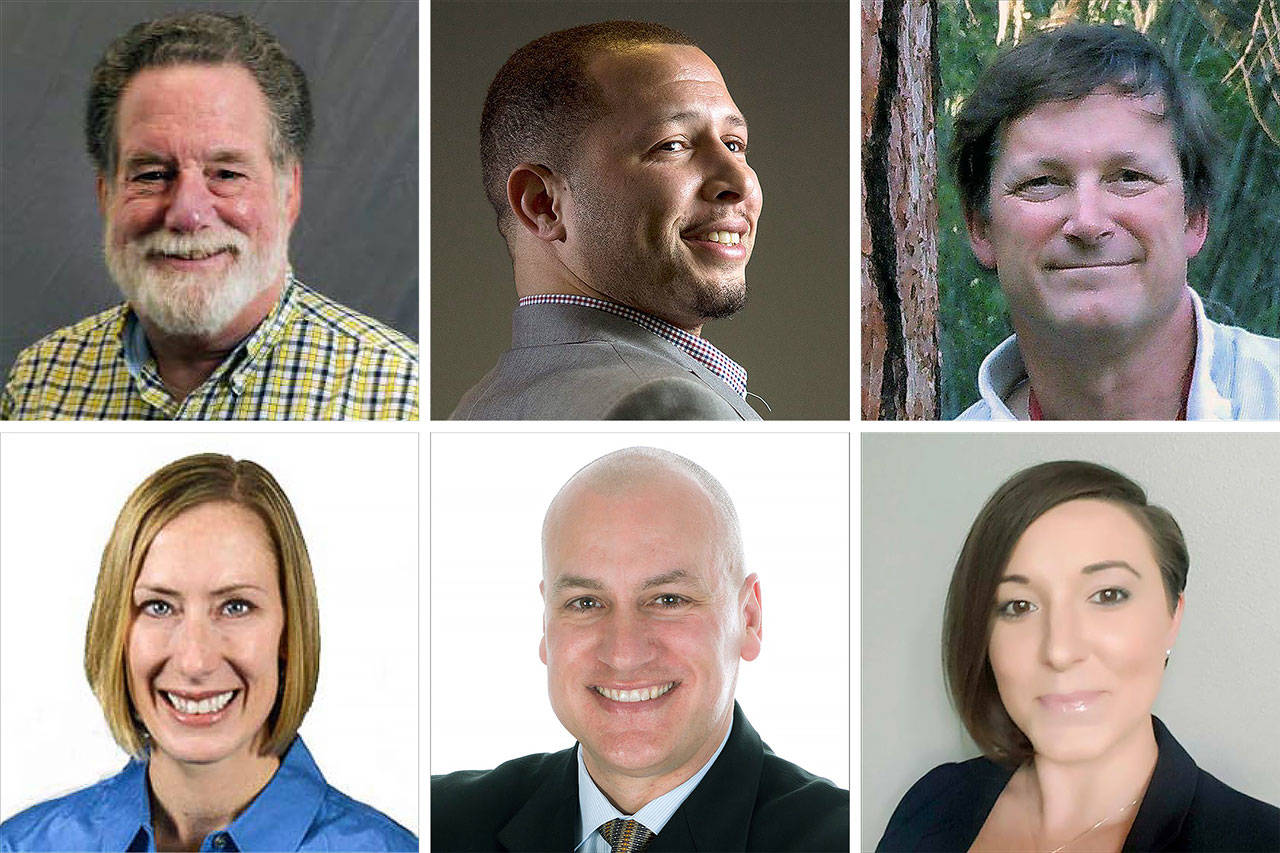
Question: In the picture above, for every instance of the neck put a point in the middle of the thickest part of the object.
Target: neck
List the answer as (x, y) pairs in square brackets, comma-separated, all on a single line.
[(189, 801), (186, 361), (630, 793), (1068, 798), (1109, 377)]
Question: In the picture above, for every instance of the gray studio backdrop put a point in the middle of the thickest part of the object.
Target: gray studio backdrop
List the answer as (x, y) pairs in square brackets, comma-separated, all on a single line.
[(920, 493), (356, 238), (787, 68)]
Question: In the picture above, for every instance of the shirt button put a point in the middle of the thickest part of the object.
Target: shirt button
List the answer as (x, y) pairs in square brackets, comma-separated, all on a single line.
[(220, 841)]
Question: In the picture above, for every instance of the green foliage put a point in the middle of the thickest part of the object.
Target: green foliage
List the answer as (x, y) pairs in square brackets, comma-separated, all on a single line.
[(1237, 272)]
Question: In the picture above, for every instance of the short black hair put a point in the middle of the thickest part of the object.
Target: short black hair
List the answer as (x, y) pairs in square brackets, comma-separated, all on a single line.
[(1068, 63), (543, 98)]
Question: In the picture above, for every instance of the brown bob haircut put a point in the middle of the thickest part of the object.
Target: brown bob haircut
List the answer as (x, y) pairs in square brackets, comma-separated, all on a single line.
[(966, 628), (163, 496)]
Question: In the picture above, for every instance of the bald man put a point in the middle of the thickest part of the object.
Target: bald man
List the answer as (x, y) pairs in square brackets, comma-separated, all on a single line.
[(647, 610)]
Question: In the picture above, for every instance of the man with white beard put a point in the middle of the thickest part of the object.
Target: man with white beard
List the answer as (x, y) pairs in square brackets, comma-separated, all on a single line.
[(197, 125)]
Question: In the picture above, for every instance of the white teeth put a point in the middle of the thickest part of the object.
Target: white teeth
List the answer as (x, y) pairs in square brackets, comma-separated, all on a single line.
[(728, 238), (209, 705), (642, 695)]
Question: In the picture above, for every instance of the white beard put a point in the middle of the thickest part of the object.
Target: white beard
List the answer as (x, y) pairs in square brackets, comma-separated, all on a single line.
[(194, 304)]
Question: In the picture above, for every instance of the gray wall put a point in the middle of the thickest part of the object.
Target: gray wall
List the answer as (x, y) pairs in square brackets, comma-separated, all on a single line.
[(787, 67), (920, 493), (357, 237)]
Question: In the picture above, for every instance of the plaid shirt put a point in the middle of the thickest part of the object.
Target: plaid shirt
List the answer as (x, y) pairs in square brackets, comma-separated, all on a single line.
[(310, 359), (717, 362)]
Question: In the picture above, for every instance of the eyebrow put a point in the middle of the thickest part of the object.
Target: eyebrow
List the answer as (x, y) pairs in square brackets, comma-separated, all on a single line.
[(1099, 566), (220, 591), (220, 155), (580, 582), (732, 119)]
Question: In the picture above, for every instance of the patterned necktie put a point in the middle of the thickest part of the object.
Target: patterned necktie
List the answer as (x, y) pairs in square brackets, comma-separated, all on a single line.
[(625, 836)]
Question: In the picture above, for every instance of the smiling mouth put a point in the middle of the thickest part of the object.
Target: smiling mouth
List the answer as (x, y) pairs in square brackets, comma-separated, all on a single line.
[(643, 694), (192, 255), (207, 705), (1107, 265)]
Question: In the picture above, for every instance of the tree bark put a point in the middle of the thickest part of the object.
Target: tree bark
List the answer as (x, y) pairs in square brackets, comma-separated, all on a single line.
[(899, 210)]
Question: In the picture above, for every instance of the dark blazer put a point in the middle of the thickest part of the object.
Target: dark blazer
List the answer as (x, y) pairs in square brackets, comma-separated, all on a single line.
[(571, 362), (1184, 809), (749, 800)]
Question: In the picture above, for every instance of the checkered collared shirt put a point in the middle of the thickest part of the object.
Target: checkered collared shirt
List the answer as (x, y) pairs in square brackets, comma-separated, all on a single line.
[(717, 362), (310, 359)]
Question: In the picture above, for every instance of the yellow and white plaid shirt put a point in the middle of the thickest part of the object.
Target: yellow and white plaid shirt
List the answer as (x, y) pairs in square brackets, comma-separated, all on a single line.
[(310, 359)]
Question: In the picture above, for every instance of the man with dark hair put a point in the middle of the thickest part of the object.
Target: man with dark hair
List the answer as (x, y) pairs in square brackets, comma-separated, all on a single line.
[(615, 160), (197, 125), (1086, 171), (648, 609)]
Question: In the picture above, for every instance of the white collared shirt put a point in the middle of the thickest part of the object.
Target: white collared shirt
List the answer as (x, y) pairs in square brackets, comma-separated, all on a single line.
[(594, 807), (1236, 376)]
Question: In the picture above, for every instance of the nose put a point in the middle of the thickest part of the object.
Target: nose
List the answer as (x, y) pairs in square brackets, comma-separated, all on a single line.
[(1063, 642), (190, 203), (625, 643), (729, 178), (195, 652), (1088, 222)]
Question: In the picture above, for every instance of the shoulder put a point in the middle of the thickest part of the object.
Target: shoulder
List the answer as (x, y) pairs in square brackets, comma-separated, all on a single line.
[(1222, 818), (344, 823), (806, 811), (91, 331), (360, 330), (69, 822), (1246, 368), (947, 794), (510, 782)]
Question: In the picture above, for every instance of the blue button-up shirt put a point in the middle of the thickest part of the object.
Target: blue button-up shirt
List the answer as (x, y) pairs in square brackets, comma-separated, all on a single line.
[(297, 810), (1236, 376)]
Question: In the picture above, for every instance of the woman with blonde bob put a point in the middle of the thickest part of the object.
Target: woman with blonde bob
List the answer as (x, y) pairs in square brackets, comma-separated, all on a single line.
[(1062, 614), (203, 648)]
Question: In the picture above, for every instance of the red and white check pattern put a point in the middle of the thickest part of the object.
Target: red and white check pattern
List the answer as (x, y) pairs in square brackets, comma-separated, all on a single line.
[(714, 360)]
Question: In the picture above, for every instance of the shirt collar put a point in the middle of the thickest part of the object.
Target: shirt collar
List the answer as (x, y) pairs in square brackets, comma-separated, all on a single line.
[(696, 347), (244, 357), (1003, 369), (276, 819), (594, 807)]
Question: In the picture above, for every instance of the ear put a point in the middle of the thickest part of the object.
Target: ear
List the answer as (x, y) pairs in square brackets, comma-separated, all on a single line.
[(535, 195), (542, 644), (293, 195), (980, 238), (102, 195), (749, 608), (1196, 231), (1176, 623)]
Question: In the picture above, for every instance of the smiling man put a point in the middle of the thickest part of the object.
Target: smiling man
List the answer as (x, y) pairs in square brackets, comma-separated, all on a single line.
[(1085, 164), (647, 611), (615, 160), (197, 126)]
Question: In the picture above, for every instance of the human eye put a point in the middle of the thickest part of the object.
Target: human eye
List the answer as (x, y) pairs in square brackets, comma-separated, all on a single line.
[(237, 607), (737, 146), (670, 600), (1040, 187), (1015, 608), (582, 604), (1110, 596), (151, 176), (671, 146), (227, 175), (156, 607)]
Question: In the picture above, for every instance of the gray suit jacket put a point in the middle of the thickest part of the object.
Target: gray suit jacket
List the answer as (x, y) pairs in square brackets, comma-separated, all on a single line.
[(570, 362)]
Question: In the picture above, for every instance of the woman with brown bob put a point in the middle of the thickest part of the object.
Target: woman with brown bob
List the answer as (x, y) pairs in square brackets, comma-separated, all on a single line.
[(1063, 610), (203, 648)]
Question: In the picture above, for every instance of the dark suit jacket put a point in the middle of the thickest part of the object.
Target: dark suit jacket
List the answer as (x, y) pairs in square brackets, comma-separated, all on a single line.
[(571, 362), (1184, 809), (749, 800)]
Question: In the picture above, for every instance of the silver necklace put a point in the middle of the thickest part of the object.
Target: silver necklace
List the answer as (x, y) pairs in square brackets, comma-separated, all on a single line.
[(1096, 825)]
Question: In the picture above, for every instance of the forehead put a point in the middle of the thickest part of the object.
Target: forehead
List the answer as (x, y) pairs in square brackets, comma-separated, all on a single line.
[(1079, 533), (210, 542), (192, 105), (641, 81), (1102, 124), (623, 536)]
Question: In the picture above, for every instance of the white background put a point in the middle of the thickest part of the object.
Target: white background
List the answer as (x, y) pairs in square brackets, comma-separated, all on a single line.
[(488, 495), (356, 497)]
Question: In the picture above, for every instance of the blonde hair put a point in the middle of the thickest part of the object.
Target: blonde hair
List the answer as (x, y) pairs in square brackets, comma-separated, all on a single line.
[(166, 494)]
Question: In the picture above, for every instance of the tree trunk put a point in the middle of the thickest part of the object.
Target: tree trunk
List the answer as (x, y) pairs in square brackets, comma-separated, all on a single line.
[(899, 210)]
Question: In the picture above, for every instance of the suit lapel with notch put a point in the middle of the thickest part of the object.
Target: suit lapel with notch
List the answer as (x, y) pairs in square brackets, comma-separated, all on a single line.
[(548, 818)]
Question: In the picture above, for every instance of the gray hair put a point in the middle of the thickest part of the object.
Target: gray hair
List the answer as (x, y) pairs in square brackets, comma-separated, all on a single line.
[(200, 38)]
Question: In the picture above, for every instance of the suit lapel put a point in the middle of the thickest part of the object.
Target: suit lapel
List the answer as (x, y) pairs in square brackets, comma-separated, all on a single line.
[(717, 814), (547, 820)]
